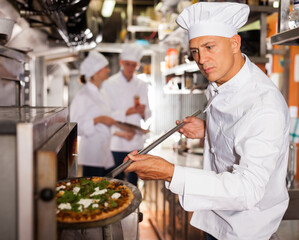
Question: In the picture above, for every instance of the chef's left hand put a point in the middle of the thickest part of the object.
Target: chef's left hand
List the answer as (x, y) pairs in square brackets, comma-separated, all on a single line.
[(149, 167)]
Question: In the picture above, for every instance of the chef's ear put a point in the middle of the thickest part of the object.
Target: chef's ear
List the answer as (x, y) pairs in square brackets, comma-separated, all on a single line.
[(236, 43)]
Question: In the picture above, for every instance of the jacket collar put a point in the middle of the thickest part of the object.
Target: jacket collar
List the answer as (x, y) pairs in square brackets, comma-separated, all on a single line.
[(234, 84)]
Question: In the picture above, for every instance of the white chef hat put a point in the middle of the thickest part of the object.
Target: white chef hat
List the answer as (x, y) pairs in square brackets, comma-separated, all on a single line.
[(131, 52), (94, 62), (213, 19)]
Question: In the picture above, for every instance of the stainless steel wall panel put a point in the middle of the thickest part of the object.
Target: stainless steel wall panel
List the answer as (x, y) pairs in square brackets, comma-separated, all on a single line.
[(25, 176), (8, 199)]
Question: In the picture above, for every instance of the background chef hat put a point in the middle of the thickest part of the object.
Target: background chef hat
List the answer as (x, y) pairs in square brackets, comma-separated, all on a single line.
[(132, 52), (94, 62), (213, 19)]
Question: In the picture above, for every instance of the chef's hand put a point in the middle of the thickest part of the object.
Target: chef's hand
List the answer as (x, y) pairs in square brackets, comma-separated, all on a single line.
[(194, 128), (139, 109), (128, 135), (149, 167), (105, 120)]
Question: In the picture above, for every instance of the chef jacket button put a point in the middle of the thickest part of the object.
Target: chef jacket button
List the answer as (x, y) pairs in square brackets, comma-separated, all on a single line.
[(212, 150)]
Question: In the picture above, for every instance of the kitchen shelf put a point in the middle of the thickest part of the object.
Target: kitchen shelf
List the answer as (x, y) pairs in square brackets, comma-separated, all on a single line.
[(183, 91), (255, 12), (259, 59), (180, 69), (289, 37), (192, 66), (137, 28)]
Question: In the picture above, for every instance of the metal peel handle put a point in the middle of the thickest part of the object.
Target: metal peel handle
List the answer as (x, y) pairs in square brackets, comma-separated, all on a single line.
[(145, 150)]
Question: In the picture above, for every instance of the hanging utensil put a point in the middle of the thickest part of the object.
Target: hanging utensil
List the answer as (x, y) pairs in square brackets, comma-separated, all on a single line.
[(145, 150)]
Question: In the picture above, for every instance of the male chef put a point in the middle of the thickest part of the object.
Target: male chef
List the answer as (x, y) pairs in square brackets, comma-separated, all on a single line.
[(240, 194), (128, 97)]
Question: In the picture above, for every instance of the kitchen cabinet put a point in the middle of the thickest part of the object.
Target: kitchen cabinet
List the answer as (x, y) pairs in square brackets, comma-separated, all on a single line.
[(180, 73), (284, 35), (169, 220)]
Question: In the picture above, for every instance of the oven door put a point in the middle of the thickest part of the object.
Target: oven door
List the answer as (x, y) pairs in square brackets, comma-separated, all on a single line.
[(55, 160)]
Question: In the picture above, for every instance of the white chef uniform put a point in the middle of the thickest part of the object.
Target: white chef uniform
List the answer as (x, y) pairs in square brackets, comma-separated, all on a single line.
[(121, 96), (241, 193), (94, 147), (244, 197)]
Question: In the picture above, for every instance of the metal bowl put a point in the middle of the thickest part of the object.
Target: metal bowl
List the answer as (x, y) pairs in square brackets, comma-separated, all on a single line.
[(6, 26), (104, 222)]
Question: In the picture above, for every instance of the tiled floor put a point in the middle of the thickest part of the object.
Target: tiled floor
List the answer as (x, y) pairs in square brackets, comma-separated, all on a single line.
[(146, 231)]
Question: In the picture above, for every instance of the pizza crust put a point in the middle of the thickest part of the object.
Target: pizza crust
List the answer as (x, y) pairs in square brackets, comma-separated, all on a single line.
[(69, 216)]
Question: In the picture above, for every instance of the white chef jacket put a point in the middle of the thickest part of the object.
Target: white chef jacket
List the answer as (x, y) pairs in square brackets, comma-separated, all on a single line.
[(94, 146), (121, 94), (241, 193)]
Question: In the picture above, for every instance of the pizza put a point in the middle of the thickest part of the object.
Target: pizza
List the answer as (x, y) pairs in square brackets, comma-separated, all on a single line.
[(90, 199)]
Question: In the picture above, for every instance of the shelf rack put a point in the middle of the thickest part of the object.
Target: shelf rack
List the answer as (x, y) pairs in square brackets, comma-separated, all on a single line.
[(284, 35)]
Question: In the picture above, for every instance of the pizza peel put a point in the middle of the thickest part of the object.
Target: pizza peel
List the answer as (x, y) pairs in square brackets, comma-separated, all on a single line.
[(113, 219), (145, 150)]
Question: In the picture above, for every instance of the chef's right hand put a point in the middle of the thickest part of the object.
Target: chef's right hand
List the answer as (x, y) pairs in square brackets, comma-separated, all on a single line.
[(104, 120), (194, 128), (139, 109), (149, 167)]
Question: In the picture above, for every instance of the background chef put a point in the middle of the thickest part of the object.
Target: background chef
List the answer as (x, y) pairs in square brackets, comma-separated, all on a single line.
[(123, 88), (91, 110), (241, 192)]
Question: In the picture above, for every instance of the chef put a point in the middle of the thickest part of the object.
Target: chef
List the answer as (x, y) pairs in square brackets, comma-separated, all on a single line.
[(128, 96), (91, 110), (240, 194)]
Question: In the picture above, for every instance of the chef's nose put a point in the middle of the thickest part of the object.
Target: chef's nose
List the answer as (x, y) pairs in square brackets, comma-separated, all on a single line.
[(203, 57)]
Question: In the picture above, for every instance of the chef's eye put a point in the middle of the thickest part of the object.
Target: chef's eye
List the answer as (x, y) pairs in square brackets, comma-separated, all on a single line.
[(195, 53), (210, 47)]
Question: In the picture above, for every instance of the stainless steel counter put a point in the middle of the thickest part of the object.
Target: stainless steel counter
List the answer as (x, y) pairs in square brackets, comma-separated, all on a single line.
[(185, 159)]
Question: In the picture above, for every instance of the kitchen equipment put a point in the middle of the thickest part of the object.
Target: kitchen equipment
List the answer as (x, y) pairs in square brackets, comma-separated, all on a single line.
[(6, 26), (291, 171), (145, 150), (14, 77), (38, 146)]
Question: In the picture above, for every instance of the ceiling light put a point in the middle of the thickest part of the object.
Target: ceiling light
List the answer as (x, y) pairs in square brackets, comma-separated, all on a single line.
[(107, 8)]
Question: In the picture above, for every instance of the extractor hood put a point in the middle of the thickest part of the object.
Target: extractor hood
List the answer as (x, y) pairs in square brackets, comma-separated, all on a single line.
[(62, 20)]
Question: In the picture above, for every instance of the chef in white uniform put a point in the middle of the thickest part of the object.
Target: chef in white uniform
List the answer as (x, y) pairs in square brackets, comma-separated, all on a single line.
[(240, 194), (91, 110), (123, 88)]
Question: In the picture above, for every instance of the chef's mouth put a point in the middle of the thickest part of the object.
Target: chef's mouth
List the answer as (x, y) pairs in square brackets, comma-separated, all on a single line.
[(208, 69)]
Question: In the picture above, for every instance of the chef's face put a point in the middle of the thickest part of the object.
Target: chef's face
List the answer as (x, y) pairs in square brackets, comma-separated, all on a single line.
[(101, 75), (214, 56), (129, 67)]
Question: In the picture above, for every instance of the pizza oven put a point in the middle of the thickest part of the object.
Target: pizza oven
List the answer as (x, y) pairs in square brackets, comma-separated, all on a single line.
[(38, 147)]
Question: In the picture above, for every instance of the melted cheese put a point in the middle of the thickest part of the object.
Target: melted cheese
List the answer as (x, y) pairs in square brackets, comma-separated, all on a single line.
[(115, 195), (95, 205), (98, 191), (85, 202), (60, 187), (66, 206), (76, 190)]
